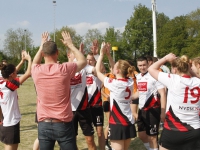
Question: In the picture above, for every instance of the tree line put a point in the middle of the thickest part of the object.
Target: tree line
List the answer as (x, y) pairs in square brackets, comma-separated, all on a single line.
[(179, 35)]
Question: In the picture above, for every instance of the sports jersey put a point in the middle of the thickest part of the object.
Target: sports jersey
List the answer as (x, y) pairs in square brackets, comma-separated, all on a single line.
[(182, 112), (79, 93), (94, 87), (106, 90), (9, 102), (148, 91), (120, 97)]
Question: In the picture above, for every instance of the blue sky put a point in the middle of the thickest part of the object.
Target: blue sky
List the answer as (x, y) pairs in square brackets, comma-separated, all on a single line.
[(38, 15)]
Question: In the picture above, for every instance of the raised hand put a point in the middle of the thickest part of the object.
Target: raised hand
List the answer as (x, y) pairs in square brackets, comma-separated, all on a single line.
[(170, 57), (94, 47), (26, 55), (67, 41), (44, 37), (81, 48), (103, 48), (108, 47)]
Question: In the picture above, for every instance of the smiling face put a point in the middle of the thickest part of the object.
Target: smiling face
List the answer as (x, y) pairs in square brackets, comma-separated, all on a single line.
[(91, 60), (142, 66)]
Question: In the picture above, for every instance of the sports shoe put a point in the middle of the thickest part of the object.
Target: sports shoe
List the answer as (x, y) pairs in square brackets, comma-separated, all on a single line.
[(108, 147)]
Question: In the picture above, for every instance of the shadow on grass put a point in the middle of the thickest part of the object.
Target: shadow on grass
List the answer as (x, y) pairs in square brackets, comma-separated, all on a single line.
[(26, 128), (30, 104), (28, 113)]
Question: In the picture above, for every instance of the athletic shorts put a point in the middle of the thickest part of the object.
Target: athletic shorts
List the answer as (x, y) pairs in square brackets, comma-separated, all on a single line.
[(97, 116), (10, 135), (120, 132), (106, 106), (149, 120), (84, 118), (176, 140)]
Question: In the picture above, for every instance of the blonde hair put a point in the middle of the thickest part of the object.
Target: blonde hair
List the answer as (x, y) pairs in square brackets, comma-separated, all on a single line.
[(125, 67), (196, 60), (181, 63)]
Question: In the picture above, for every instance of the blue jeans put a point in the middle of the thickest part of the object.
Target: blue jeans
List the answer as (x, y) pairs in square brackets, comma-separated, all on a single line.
[(63, 133)]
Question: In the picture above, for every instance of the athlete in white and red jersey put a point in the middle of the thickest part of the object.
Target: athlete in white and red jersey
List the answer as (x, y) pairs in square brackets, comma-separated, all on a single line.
[(151, 96), (79, 103), (95, 101), (182, 113), (10, 129), (121, 122)]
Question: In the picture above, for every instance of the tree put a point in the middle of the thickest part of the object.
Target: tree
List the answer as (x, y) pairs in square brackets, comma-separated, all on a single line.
[(77, 39), (92, 34), (14, 42), (174, 37), (137, 37)]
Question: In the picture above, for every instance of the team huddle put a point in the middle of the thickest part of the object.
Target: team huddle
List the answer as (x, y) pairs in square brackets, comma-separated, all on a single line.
[(80, 92)]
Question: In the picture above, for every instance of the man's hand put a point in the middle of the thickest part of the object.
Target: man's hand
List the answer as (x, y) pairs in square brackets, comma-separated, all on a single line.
[(94, 47), (81, 48), (67, 41), (44, 37)]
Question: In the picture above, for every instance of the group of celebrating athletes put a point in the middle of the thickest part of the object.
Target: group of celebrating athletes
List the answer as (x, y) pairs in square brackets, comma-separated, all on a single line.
[(71, 93)]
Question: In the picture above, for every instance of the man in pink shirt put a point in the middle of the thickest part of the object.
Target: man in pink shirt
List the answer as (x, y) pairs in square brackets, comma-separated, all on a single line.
[(52, 82)]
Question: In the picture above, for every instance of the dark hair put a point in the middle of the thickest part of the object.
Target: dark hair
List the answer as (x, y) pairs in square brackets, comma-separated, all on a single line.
[(149, 58), (155, 59), (142, 58), (6, 70), (49, 48)]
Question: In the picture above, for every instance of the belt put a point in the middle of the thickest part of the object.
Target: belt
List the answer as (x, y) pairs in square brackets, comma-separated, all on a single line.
[(51, 120)]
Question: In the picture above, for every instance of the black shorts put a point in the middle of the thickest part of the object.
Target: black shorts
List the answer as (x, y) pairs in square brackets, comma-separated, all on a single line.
[(120, 132), (97, 116), (149, 120), (106, 106), (85, 121), (175, 140), (10, 135)]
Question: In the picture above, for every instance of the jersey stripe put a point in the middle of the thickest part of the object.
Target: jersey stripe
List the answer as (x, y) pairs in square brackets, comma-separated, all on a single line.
[(96, 98), (84, 101), (117, 117), (152, 102), (172, 122)]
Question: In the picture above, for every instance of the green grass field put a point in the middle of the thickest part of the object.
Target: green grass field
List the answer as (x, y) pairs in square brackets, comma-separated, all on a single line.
[(28, 127)]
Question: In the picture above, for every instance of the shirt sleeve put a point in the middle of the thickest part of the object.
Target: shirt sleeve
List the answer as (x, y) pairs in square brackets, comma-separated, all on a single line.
[(165, 78)]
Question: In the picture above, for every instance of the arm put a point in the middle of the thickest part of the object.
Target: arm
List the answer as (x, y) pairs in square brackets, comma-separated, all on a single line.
[(134, 109), (67, 41), (100, 75), (28, 71), (38, 57), (111, 62), (21, 62), (153, 69), (163, 100), (1, 116)]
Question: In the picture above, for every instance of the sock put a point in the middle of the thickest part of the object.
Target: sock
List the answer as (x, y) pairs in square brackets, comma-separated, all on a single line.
[(153, 148), (146, 145)]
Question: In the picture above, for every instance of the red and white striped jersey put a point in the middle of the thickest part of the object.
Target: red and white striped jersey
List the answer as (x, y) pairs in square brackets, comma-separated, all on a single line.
[(182, 113), (148, 91), (94, 89), (9, 102), (120, 97)]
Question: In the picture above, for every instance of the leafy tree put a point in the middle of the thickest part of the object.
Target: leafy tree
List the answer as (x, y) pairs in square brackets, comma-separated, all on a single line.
[(137, 37), (77, 39), (14, 42), (91, 35), (174, 37)]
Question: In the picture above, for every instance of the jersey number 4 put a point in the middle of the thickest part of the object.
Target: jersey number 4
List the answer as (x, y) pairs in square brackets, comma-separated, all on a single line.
[(195, 92)]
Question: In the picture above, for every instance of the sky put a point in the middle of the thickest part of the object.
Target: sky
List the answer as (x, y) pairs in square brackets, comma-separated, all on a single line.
[(39, 16)]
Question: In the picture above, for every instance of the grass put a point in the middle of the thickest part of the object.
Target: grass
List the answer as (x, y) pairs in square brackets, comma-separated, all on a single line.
[(28, 127)]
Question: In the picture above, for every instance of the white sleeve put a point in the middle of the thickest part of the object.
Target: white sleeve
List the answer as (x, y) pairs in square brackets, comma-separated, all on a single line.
[(108, 83), (165, 79)]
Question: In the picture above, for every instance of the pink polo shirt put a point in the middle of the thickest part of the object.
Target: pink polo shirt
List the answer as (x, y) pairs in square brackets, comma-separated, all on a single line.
[(52, 82)]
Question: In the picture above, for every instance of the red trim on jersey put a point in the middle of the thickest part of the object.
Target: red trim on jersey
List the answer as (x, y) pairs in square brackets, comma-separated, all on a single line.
[(84, 101), (186, 76), (152, 102), (117, 117), (96, 98), (13, 85), (125, 80)]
